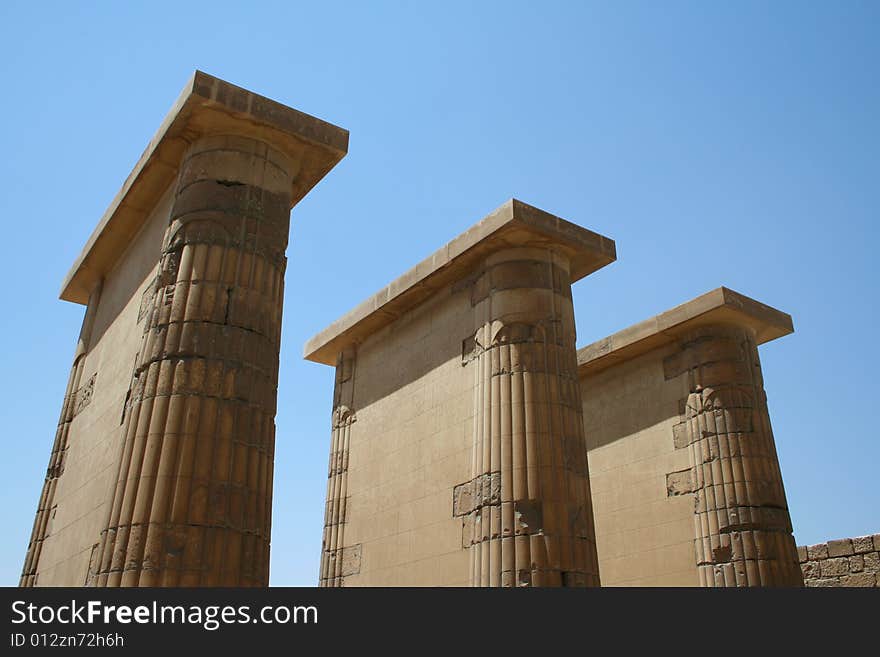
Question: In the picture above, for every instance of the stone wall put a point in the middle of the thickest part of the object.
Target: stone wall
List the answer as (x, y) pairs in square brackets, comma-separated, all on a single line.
[(686, 484), (400, 442), (457, 450), (644, 532), (160, 472), (853, 562)]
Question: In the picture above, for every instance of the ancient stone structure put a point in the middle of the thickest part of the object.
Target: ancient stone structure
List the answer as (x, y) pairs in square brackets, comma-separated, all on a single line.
[(458, 453), (161, 472), (849, 562), (471, 444), (679, 465), (687, 483)]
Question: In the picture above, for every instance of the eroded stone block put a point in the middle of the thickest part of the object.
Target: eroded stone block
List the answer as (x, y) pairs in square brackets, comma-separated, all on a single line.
[(834, 567), (840, 547), (818, 551), (528, 516), (680, 436), (679, 483), (811, 570), (483, 491), (351, 560), (862, 544), (859, 580)]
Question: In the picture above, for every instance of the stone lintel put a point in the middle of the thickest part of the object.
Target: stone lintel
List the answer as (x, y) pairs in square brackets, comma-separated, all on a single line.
[(720, 306), (207, 105), (513, 224)]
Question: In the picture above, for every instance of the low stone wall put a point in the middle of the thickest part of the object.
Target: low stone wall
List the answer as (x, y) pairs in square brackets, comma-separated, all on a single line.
[(843, 562)]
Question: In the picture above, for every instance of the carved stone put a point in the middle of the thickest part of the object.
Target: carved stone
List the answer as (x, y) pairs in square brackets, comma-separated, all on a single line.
[(180, 493), (681, 450), (538, 531), (467, 464), (192, 503), (743, 530), (335, 567)]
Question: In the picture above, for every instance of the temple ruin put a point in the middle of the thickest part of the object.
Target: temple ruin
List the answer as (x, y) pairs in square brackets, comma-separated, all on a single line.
[(471, 442)]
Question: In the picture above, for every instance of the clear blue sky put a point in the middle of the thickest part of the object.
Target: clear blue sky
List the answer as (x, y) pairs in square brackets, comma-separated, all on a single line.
[(718, 143)]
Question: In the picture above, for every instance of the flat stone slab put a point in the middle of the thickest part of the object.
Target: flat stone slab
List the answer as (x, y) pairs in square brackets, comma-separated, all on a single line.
[(207, 105), (513, 224), (720, 306)]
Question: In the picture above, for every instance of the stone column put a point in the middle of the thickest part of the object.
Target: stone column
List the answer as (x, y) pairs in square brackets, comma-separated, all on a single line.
[(333, 554), (191, 504), (75, 398), (528, 514), (742, 525)]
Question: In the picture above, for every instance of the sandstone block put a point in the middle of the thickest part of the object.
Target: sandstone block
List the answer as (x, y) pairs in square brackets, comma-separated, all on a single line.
[(802, 553), (840, 548), (811, 570), (835, 567), (818, 551), (351, 560), (856, 564), (862, 544), (859, 580), (679, 483)]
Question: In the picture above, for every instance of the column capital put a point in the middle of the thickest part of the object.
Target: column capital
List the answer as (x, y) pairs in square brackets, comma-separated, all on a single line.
[(513, 225), (206, 106), (719, 307)]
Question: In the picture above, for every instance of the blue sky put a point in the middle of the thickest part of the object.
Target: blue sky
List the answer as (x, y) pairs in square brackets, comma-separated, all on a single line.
[(718, 143)]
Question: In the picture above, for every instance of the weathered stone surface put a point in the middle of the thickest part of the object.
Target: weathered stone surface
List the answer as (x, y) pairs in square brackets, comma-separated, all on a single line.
[(683, 392), (818, 551), (680, 436), (811, 570), (466, 371), (862, 544), (679, 483), (719, 305), (189, 343), (730, 441), (513, 224), (525, 335), (854, 570), (840, 548), (859, 580), (470, 454), (483, 491), (351, 560), (834, 567)]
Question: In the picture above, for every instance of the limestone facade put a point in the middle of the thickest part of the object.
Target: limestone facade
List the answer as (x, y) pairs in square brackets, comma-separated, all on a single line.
[(687, 486), (161, 471), (458, 453)]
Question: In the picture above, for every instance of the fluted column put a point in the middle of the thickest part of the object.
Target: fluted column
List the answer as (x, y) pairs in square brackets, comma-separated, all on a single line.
[(528, 507), (69, 408), (333, 541), (191, 504), (742, 524)]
